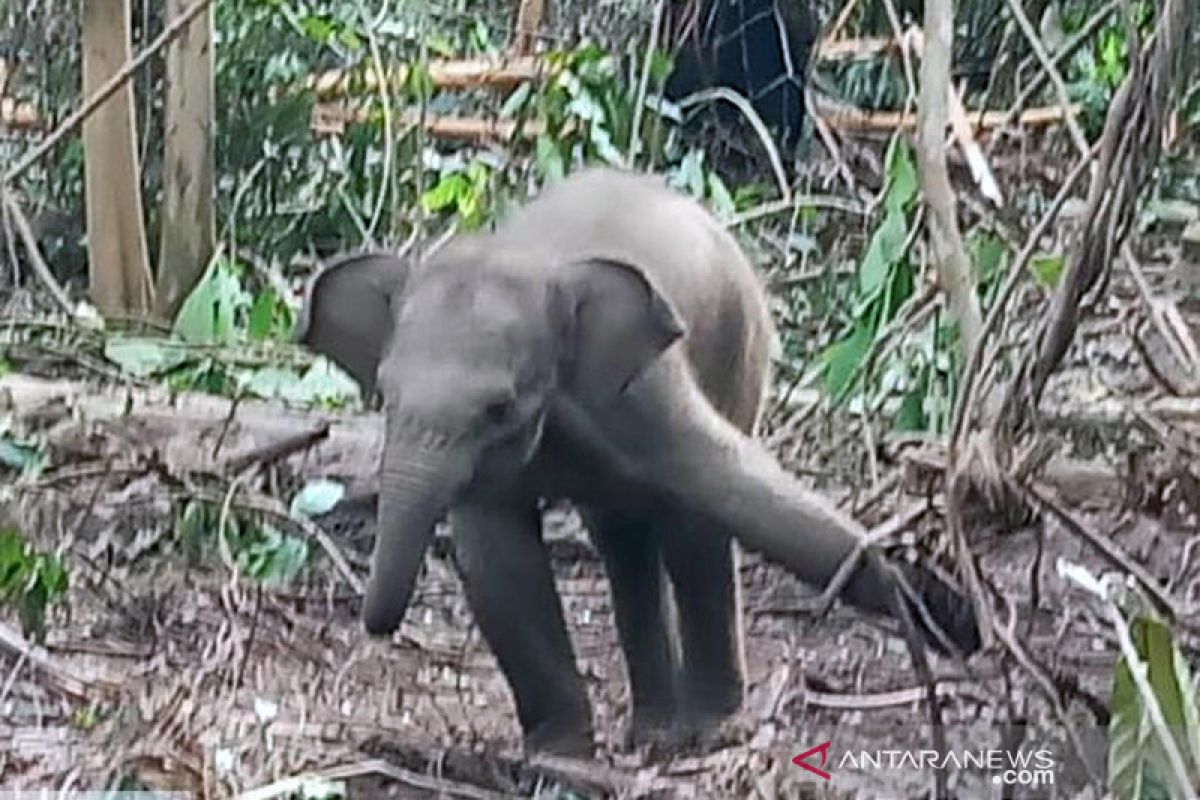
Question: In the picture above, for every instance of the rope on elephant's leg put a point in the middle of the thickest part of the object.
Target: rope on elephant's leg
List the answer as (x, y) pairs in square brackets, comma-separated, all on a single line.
[(851, 562)]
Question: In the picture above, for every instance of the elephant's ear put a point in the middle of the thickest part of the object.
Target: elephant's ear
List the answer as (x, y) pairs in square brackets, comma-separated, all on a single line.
[(347, 313), (615, 323)]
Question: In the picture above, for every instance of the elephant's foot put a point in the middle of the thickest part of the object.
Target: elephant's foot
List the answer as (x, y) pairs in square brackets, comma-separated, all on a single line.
[(649, 729), (708, 731), (560, 739), (693, 734)]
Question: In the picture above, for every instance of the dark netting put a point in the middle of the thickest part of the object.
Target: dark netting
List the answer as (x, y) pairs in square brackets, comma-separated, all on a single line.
[(758, 48)]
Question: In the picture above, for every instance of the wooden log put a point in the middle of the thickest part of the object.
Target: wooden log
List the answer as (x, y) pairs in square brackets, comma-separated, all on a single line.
[(199, 432)]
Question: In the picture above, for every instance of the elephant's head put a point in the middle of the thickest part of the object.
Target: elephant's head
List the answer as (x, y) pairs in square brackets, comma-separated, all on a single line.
[(466, 351)]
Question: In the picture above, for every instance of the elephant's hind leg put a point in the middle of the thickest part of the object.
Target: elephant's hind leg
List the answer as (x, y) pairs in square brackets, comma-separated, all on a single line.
[(510, 587), (702, 564), (633, 563)]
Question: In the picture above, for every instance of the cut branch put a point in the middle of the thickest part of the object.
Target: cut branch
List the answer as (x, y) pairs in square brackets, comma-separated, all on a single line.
[(444, 74)]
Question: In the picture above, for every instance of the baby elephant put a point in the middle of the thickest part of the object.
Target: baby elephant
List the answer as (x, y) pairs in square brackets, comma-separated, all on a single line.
[(608, 344)]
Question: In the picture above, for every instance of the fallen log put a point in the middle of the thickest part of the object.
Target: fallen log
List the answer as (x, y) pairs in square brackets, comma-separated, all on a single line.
[(197, 432)]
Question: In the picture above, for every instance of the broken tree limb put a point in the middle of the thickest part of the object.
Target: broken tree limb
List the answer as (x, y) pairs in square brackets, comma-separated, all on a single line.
[(205, 433), (443, 74), (852, 119), (332, 118)]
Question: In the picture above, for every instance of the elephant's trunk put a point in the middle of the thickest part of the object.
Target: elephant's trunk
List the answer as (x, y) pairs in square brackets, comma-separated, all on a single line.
[(414, 490)]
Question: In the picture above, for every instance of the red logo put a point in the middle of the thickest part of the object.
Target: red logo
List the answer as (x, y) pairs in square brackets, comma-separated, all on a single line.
[(823, 749)]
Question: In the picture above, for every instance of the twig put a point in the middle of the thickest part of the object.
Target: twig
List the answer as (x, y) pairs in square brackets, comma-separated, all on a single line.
[(376, 766), (853, 119), (265, 505), (828, 202), (764, 136), (635, 132), (1006, 635), (830, 37), (388, 137), (862, 550), (122, 76), (1112, 554), (29, 239), (1072, 44), (443, 74), (61, 678), (877, 700), (1178, 340), (1051, 71), (970, 378)]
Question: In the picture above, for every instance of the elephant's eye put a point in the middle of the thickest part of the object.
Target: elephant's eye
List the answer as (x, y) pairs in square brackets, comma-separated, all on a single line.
[(500, 410)]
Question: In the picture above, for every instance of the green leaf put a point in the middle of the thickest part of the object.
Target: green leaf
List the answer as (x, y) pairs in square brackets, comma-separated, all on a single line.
[(29, 581), (12, 560), (689, 175), (1047, 269), (722, 200), (318, 29), (886, 248), (142, 358), (549, 159), (445, 193), (270, 317), (324, 383), (1137, 763), (990, 254), (661, 66), (271, 383), (586, 107), (911, 414), (20, 456), (274, 558), (516, 101), (601, 139), (317, 497), (902, 177), (842, 358), (209, 315), (418, 83)]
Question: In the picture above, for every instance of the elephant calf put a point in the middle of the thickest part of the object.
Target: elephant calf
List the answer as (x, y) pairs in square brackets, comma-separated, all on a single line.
[(607, 344)]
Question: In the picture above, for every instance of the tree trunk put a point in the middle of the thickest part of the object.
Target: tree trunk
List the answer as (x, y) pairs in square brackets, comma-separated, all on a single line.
[(188, 227), (529, 19), (118, 266), (945, 240)]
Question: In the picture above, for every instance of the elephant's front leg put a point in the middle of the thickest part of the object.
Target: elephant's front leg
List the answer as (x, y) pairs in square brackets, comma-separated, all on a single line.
[(633, 561), (510, 587), (702, 563)]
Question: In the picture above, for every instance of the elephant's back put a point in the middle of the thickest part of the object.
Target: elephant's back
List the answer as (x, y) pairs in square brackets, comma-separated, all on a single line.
[(685, 252)]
